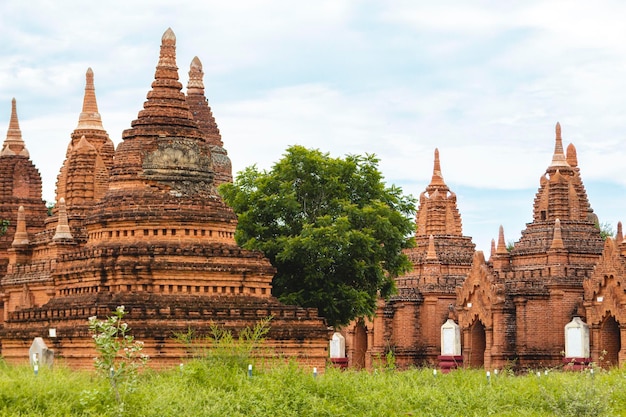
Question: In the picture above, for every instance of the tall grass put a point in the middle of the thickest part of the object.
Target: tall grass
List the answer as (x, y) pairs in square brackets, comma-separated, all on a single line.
[(207, 388)]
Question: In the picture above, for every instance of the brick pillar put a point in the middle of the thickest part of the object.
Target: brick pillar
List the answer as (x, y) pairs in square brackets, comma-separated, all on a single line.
[(350, 344), (369, 331), (520, 322), (466, 346), (561, 310), (594, 342), (621, 356), (488, 347), (432, 328), (498, 346), (5, 308)]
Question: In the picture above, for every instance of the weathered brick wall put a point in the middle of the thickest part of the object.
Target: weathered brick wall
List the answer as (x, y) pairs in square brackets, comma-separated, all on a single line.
[(147, 230)]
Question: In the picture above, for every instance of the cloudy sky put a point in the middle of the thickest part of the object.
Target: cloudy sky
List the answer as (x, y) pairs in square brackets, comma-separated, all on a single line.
[(483, 81)]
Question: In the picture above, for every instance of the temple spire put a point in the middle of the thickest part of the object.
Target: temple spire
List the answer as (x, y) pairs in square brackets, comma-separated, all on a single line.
[(166, 68), (558, 159), (571, 155), (437, 178), (195, 84), (619, 237), (202, 114), (14, 144), (21, 236), (63, 229), (165, 112), (437, 213), (199, 106), (501, 249), (557, 240), (431, 254), (89, 118)]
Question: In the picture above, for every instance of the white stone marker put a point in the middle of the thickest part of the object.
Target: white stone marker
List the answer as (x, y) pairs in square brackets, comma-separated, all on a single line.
[(576, 339), (450, 338)]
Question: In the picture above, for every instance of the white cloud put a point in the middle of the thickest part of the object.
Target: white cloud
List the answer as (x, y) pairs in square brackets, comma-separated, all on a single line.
[(484, 82)]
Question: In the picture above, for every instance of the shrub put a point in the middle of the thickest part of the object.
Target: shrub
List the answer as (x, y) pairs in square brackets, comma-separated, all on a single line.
[(221, 348), (119, 354)]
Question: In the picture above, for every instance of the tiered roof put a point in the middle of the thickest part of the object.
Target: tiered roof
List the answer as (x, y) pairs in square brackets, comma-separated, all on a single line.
[(84, 176), (561, 198), (20, 185), (199, 106), (442, 255)]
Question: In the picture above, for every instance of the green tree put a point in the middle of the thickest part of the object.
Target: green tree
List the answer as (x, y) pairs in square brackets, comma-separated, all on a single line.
[(330, 226)]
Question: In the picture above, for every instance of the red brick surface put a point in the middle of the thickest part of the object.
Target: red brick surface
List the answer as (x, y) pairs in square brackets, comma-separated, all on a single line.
[(147, 230), (513, 307)]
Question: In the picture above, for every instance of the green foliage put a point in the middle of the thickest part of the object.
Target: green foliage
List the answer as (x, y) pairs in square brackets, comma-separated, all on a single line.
[(50, 207), (4, 225), (290, 390), (606, 230), (384, 363), (119, 354), (221, 348), (330, 226), (510, 245), (580, 397)]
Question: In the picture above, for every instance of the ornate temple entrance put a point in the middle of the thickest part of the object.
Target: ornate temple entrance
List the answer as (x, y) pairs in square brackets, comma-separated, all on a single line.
[(477, 345), (610, 342)]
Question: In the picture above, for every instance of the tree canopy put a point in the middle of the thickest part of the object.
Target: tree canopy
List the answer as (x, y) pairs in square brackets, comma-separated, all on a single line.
[(330, 226)]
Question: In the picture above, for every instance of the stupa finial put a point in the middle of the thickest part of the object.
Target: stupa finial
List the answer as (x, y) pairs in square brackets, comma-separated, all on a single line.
[(166, 68), (557, 240), (195, 77), (14, 144), (571, 156), (558, 159), (21, 235), (63, 229), (431, 254), (437, 178), (90, 117), (501, 249)]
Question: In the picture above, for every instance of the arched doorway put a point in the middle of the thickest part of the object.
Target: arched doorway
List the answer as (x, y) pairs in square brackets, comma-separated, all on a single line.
[(477, 345), (610, 342), (360, 345)]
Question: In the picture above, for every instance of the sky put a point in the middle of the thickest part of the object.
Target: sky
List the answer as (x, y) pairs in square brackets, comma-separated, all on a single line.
[(484, 82)]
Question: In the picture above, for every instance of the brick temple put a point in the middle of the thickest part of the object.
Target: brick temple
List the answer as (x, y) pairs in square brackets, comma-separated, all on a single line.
[(141, 226), (513, 307)]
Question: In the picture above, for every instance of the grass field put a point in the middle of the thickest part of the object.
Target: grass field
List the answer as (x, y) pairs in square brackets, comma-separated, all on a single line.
[(214, 388)]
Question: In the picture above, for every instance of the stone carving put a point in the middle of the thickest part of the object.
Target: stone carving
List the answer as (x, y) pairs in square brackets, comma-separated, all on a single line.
[(180, 164)]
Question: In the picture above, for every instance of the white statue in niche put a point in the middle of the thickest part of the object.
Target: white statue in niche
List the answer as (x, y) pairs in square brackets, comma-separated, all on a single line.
[(338, 346), (450, 339), (576, 339)]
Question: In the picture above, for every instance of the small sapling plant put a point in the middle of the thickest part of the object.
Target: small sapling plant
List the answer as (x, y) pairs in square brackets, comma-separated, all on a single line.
[(4, 225), (119, 354)]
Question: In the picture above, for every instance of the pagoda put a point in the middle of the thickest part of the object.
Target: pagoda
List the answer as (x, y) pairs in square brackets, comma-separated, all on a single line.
[(144, 227), (201, 111), (408, 324), (20, 186), (513, 307)]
